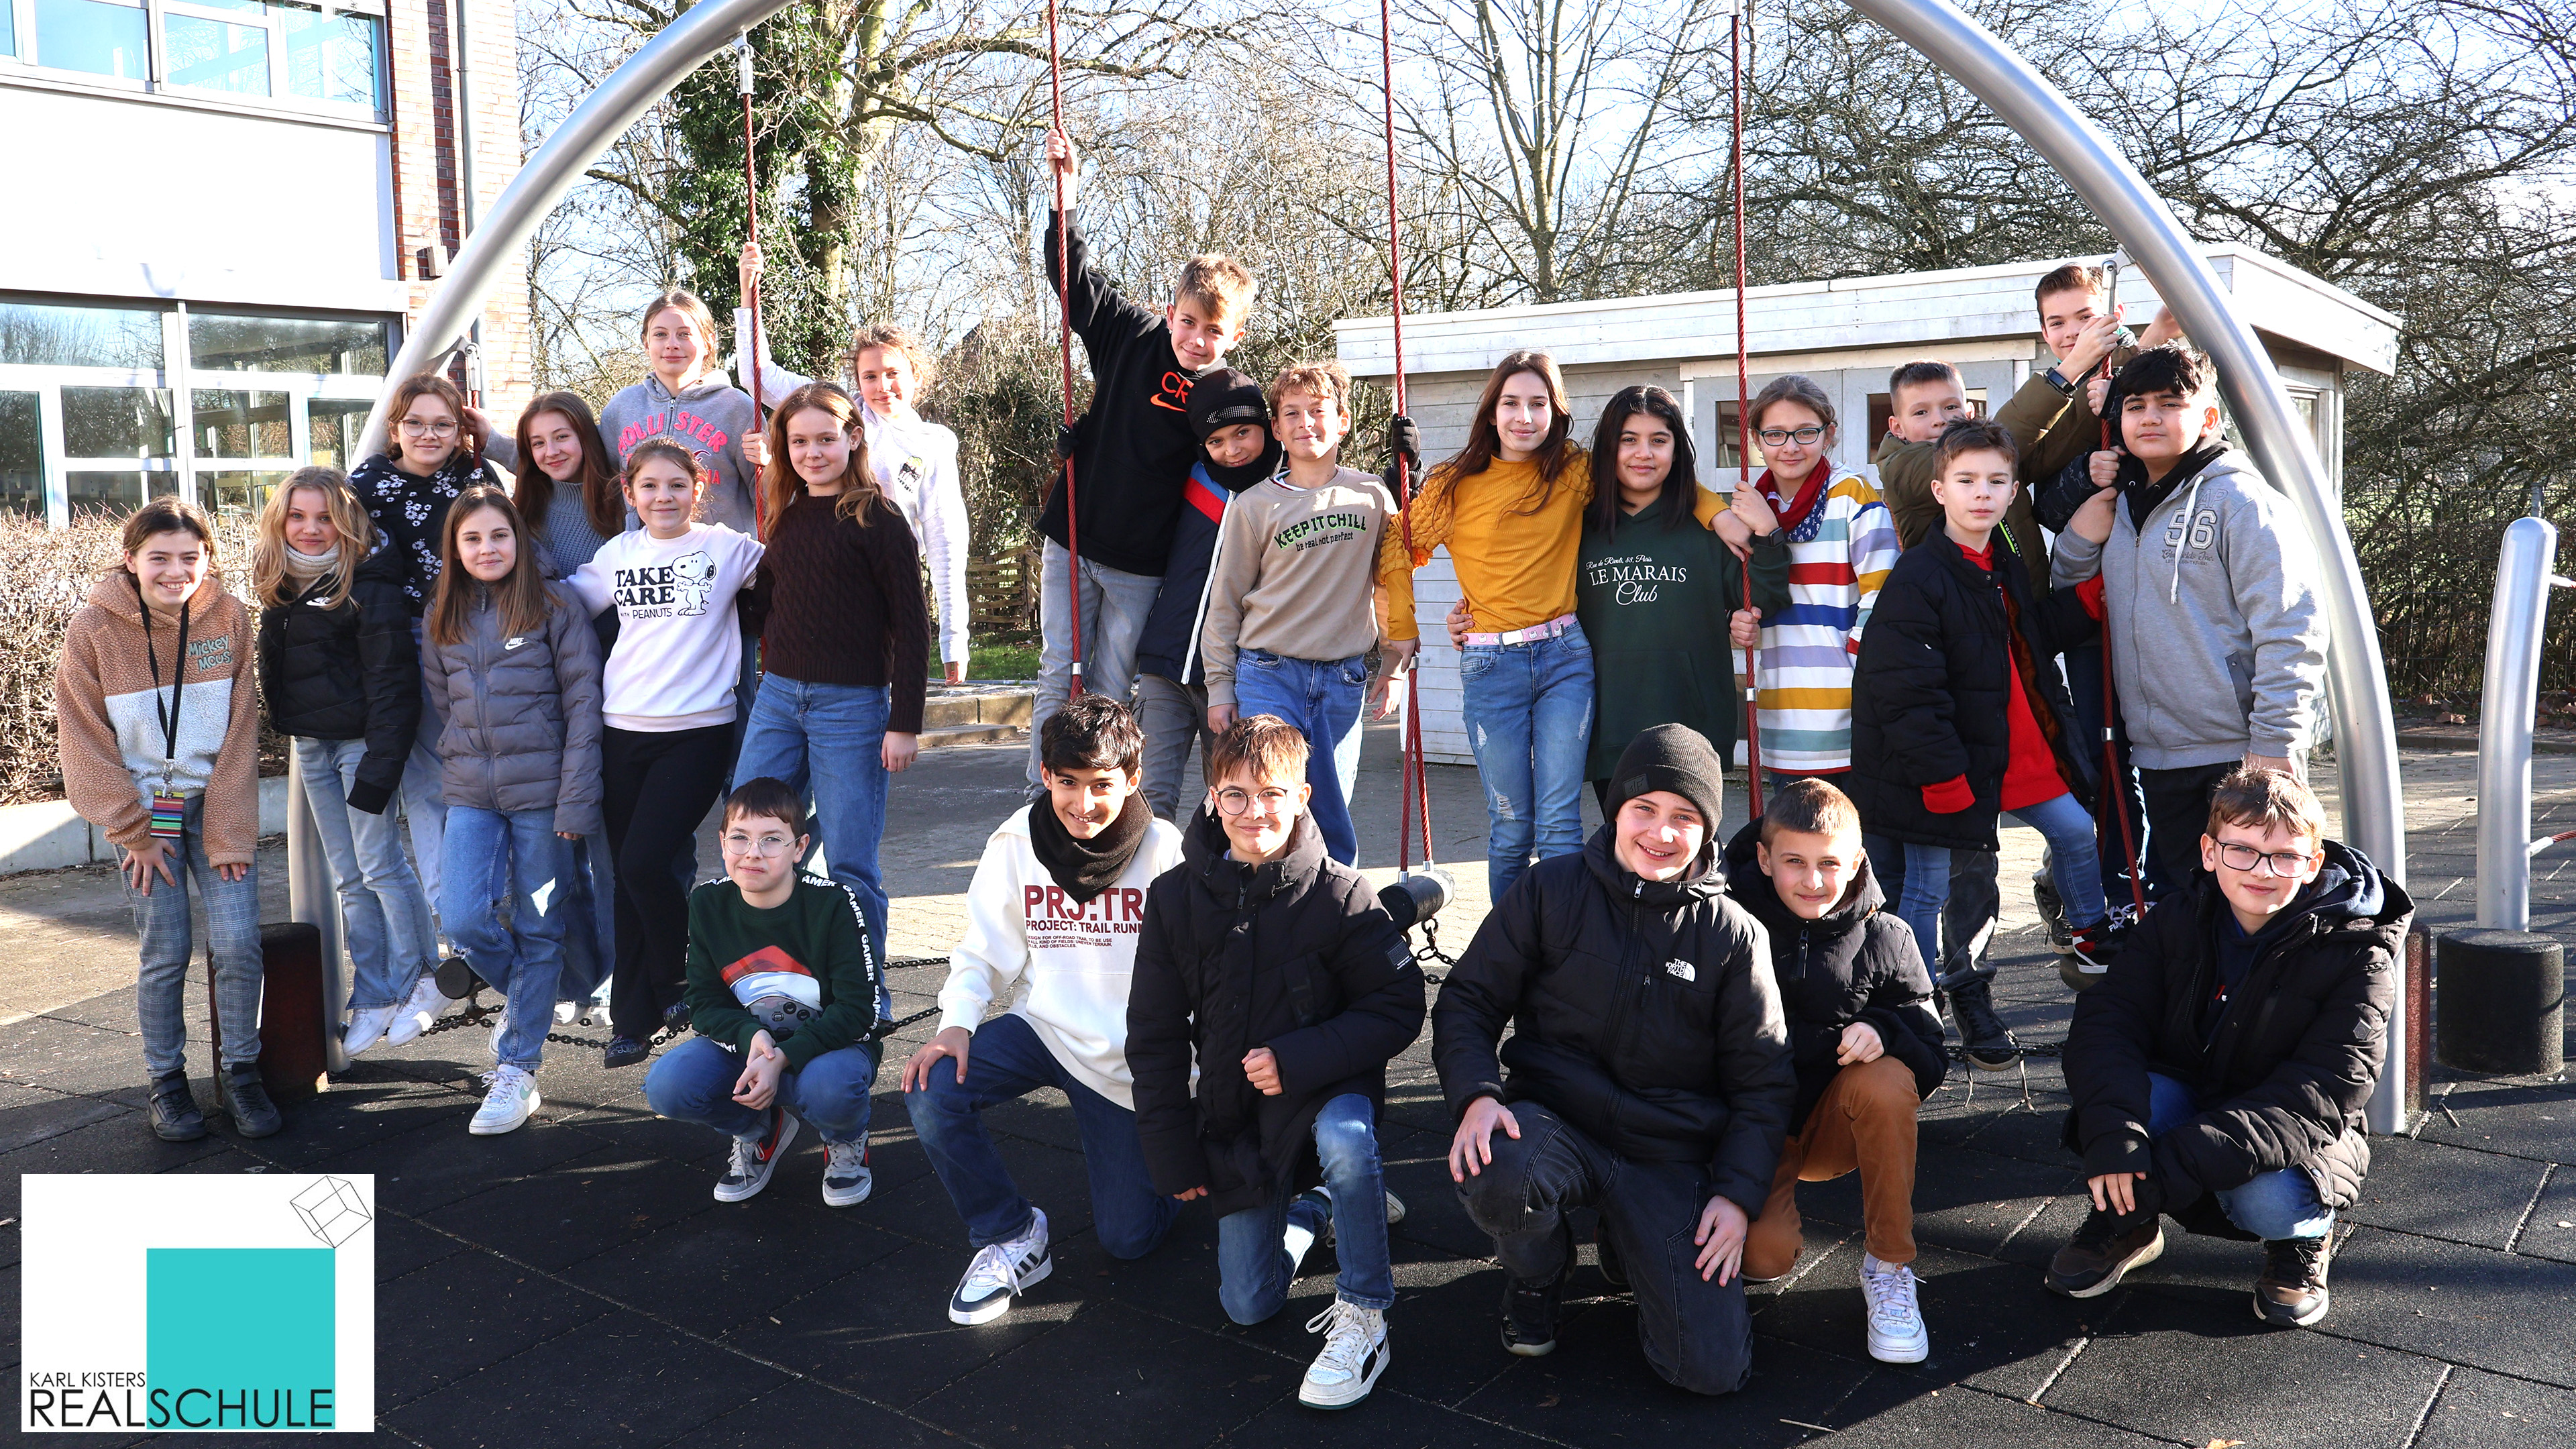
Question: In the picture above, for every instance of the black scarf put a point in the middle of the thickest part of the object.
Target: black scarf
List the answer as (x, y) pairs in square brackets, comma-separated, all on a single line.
[(2145, 497), (1085, 868)]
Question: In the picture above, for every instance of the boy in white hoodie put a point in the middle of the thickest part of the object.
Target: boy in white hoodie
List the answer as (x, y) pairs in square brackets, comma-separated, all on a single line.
[(1060, 899)]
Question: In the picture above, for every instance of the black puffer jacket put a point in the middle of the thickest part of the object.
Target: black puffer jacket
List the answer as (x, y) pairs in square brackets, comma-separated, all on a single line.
[(1857, 963), (350, 673), (2292, 1058), (1296, 956), (1641, 1013), (1929, 691)]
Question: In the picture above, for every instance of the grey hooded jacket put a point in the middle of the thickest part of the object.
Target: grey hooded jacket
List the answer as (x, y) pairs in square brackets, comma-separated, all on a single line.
[(522, 714), (710, 416), (2216, 633)]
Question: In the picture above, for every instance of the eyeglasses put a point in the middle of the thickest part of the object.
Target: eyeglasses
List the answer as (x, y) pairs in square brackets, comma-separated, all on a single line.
[(737, 843), (1234, 801), (2285, 863), (414, 428), (1782, 437)]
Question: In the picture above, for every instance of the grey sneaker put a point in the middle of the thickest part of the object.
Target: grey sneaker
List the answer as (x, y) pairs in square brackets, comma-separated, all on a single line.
[(755, 1158), (847, 1179), (175, 1117), (1355, 1353)]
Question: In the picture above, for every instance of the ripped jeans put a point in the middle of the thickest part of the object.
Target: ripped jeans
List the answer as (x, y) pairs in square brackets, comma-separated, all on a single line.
[(1528, 713)]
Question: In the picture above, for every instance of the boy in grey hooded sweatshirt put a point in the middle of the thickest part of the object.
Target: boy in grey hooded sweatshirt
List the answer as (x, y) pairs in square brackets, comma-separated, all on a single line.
[(2216, 636)]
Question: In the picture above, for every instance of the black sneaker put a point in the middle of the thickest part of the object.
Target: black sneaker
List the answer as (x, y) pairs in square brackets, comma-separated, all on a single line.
[(1983, 1037), (175, 1117), (1529, 1315), (2103, 1251), (675, 1017), (624, 1051), (246, 1097), (2292, 1289), (2052, 912)]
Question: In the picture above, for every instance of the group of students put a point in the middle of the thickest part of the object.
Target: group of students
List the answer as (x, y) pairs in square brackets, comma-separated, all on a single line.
[(1660, 1024)]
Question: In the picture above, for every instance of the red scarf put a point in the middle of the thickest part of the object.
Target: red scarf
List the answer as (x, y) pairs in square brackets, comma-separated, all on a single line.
[(1795, 512)]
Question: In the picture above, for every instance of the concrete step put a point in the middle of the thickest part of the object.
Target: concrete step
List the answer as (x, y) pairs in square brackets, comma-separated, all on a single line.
[(981, 702), (941, 736)]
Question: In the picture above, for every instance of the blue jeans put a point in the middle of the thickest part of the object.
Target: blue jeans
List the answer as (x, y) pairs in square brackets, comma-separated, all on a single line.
[(1254, 1270), (161, 921), (384, 915), (829, 739), (1528, 712), (1321, 697), (2282, 1203), (1007, 1061), (693, 1082), (590, 919), (424, 808), (512, 858), (2071, 862), (1114, 606)]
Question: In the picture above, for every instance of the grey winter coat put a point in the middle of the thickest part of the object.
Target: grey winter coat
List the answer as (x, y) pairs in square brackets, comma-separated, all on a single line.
[(2217, 637), (522, 715)]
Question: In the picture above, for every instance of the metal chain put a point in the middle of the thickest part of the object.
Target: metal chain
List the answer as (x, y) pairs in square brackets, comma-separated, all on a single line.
[(477, 1014), (1430, 951)]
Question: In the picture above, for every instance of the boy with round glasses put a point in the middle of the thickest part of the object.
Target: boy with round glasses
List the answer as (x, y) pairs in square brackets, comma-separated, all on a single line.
[(2220, 1068)]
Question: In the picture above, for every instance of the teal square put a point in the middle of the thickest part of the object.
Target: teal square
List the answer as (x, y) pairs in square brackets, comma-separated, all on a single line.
[(230, 1319)]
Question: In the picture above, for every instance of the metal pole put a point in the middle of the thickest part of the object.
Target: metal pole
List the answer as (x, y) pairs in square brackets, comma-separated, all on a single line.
[(311, 899), (2356, 683), (2514, 624), (585, 135)]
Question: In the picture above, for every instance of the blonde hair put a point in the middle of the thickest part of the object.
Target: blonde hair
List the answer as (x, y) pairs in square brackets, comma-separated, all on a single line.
[(1328, 381), (689, 304), (779, 484), (895, 339), (1220, 284), (269, 582)]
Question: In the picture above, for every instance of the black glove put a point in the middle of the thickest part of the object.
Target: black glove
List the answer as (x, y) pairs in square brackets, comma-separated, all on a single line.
[(1064, 436), (1403, 444)]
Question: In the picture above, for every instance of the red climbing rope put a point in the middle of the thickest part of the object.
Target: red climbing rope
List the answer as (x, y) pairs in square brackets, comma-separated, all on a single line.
[(1744, 433), (751, 223), (1064, 340), (1416, 784)]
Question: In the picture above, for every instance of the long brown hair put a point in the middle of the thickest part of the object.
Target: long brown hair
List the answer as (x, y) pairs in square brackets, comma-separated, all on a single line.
[(411, 390), (521, 597), (600, 499), (1485, 439), (269, 582), (779, 483)]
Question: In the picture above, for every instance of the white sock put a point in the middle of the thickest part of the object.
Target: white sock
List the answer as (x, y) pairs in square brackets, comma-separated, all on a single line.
[(1296, 1240), (1869, 1264)]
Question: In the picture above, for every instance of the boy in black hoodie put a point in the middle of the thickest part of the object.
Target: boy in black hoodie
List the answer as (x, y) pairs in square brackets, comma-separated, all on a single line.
[(2220, 1069), (1276, 968), (1864, 1036), (1131, 453), (1658, 1096), (1232, 421)]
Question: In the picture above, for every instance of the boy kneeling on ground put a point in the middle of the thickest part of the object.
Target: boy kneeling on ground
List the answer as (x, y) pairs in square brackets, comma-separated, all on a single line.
[(787, 997), (1863, 1034), (1658, 1097), (1276, 968), (2219, 1069)]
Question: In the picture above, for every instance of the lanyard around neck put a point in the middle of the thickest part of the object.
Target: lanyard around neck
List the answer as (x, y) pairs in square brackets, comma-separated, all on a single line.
[(168, 717)]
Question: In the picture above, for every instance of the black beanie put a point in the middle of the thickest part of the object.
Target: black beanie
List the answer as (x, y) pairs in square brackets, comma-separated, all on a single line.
[(1676, 758), (1223, 399)]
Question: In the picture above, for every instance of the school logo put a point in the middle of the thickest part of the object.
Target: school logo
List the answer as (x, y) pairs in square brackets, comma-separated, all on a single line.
[(197, 1304)]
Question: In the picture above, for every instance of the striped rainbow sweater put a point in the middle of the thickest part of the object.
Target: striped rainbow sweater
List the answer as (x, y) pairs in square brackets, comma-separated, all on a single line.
[(1838, 558)]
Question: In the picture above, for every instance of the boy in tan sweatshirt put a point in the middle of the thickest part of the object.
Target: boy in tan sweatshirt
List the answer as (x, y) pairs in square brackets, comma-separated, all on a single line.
[(1291, 613)]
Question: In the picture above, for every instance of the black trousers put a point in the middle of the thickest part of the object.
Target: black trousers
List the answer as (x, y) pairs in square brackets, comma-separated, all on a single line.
[(2084, 683), (656, 788), (1696, 1334), (2178, 812)]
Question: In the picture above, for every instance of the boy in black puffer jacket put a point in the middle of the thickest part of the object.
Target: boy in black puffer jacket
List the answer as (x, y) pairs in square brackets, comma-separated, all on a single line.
[(1277, 969), (1863, 1034), (2219, 1071), (1958, 718), (1649, 1070)]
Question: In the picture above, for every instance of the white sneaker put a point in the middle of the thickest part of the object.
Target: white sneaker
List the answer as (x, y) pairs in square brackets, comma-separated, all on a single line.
[(1394, 1209), (847, 1179), (419, 1014), (1001, 1273), (513, 1095), (1896, 1331), (755, 1158), (366, 1028), (1355, 1353), (566, 1011)]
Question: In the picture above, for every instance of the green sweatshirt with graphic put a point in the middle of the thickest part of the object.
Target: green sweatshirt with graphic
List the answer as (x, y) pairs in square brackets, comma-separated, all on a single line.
[(802, 971)]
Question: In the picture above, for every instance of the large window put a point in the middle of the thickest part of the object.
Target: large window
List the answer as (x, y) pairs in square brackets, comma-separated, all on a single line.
[(104, 406), (327, 55)]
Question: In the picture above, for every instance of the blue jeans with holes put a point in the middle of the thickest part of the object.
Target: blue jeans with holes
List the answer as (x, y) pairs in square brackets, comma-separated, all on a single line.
[(1254, 1270), (384, 914), (1322, 698), (693, 1082), (161, 921), (510, 859), (2068, 830), (828, 739), (1006, 1061), (1528, 713), (1114, 606), (2282, 1203)]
